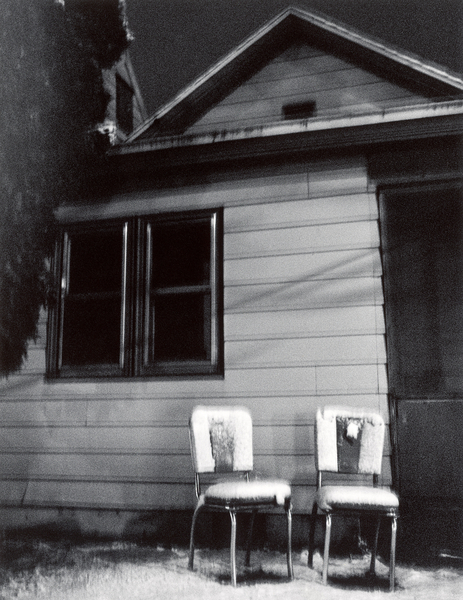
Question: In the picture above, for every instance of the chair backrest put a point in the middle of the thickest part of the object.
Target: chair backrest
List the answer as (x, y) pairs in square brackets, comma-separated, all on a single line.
[(221, 439), (349, 441)]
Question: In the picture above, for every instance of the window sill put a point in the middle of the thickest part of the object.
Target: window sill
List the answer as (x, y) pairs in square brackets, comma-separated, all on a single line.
[(105, 378)]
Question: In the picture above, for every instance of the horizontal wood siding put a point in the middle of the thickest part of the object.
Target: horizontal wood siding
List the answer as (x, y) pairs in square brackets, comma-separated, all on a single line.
[(303, 328), (303, 74)]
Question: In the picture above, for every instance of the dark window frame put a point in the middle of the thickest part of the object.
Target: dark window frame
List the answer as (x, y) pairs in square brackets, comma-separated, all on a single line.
[(134, 342)]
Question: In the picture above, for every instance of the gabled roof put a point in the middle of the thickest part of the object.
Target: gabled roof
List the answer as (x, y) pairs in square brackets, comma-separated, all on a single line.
[(229, 72)]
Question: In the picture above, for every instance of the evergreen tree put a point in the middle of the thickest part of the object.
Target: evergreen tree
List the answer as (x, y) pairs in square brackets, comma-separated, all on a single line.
[(51, 100)]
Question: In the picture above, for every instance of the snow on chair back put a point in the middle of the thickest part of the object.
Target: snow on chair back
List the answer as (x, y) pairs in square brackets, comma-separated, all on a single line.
[(221, 440), (349, 441)]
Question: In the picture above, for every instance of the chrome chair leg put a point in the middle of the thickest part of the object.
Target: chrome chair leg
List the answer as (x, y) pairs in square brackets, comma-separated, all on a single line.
[(313, 520), (326, 553), (289, 557), (375, 548), (191, 555), (247, 561), (233, 547), (392, 557)]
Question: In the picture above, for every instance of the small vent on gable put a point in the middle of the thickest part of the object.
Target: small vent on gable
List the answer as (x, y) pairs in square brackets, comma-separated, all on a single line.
[(299, 110)]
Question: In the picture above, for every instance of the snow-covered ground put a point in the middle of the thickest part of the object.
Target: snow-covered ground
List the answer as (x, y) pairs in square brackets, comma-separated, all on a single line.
[(122, 571)]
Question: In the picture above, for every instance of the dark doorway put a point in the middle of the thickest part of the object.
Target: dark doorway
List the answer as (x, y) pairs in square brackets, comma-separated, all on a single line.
[(422, 239)]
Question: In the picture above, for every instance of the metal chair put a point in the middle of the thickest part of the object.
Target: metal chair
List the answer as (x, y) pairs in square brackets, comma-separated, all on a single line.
[(351, 441), (221, 442)]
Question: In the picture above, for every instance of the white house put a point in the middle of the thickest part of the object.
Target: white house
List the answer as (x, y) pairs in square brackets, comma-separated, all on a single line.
[(284, 234)]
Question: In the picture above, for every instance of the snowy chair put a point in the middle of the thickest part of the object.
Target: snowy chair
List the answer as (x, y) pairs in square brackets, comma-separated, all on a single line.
[(221, 442), (351, 442)]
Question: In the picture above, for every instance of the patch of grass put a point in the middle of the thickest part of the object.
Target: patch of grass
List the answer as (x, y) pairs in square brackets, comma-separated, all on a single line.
[(35, 569)]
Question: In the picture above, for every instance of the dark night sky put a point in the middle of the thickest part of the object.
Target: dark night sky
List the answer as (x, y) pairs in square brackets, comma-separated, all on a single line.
[(177, 40)]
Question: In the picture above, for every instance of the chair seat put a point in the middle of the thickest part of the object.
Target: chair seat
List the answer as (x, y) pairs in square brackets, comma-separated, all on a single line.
[(338, 497), (248, 493)]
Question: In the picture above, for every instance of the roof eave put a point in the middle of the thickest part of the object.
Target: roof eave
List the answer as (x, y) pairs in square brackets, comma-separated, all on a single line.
[(338, 123)]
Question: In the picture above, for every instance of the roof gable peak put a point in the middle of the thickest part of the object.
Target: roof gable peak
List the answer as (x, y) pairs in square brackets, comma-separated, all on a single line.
[(267, 41)]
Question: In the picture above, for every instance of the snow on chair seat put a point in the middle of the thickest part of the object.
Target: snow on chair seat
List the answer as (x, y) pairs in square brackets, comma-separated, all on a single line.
[(231, 493), (337, 497)]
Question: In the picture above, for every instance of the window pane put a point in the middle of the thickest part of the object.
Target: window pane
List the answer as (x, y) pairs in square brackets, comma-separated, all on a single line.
[(91, 333), (182, 327), (181, 254), (424, 232), (92, 304), (96, 262)]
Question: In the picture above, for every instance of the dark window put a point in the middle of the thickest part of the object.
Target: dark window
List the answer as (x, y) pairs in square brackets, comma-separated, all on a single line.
[(166, 320), (124, 105), (181, 295), (423, 242)]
